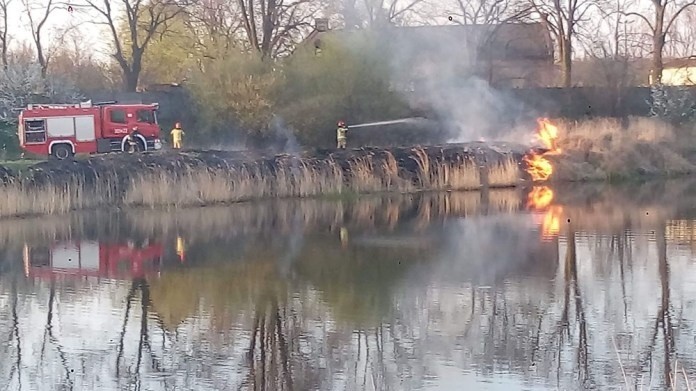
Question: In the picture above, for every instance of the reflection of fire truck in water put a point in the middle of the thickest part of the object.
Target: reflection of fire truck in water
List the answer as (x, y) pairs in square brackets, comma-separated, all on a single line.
[(93, 259), (61, 131)]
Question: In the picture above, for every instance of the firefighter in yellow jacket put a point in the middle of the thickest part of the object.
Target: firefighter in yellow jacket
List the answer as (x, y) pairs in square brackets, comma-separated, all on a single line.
[(341, 135), (177, 134)]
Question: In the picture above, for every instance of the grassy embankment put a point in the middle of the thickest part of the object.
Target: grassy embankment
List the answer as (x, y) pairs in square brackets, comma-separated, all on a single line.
[(304, 178), (606, 149), (601, 149)]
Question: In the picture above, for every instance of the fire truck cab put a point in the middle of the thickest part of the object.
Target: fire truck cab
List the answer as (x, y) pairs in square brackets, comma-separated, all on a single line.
[(61, 131)]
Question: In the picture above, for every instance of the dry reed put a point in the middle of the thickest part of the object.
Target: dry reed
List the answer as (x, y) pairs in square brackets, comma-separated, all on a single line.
[(601, 148), (19, 199), (446, 175), (504, 173), (197, 186)]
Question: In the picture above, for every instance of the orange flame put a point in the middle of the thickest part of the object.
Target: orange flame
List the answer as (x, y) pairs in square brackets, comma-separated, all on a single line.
[(538, 166), (547, 133), (551, 225), (540, 199)]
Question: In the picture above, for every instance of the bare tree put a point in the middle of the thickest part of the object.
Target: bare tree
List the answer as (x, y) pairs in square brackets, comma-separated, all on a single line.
[(396, 12), (37, 25), (144, 20), (357, 14), (490, 12), (215, 25), (612, 44), (660, 27), (682, 39), (562, 18), (4, 4), (272, 26)]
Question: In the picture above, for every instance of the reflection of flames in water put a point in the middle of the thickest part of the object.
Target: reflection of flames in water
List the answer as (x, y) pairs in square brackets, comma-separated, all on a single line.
[(539, 199), (538, 166), (180, 248)]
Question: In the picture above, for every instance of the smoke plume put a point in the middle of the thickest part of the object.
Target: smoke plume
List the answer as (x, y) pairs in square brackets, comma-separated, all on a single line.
[(285, 136), (440, 63)]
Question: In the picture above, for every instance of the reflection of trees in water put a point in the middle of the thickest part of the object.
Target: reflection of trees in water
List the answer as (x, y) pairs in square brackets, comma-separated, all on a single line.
[(352, 318), (268, 354), (14, 335)]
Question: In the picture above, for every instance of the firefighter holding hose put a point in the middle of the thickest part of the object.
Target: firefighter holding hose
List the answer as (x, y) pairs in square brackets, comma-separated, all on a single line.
[(177, 134), (341, 132)]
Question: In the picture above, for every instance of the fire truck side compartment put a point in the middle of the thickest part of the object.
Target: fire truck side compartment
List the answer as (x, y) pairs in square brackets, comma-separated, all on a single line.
[(61, 126), (84, 128)]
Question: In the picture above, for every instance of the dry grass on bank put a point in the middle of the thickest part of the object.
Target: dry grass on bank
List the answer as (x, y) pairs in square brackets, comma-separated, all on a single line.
[(369, 177), (602, 148), (202, 186), (297, 178), (17, 199), (456, 175), (504, 173)]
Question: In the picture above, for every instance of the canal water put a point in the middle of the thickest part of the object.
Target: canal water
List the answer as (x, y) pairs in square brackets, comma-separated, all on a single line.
[(572, 287)]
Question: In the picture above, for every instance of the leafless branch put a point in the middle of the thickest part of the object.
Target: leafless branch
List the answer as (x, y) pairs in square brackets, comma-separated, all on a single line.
[(143, 21)]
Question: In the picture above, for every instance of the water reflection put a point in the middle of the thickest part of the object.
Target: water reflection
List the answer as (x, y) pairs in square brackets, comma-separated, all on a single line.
[(550, 288), (127, 260)]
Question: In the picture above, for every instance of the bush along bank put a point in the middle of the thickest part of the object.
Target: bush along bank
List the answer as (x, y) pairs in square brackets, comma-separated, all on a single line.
[(195, 178)]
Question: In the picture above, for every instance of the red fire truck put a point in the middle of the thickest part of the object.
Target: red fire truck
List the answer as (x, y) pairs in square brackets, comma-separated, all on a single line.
[(87, 258), (61, 131)]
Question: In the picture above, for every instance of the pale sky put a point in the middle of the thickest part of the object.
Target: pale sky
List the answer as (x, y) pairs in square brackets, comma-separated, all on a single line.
[(97, 38), (59, 19)]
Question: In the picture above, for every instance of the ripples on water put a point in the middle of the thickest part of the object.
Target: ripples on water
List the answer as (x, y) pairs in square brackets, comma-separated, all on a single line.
[(436, 291)]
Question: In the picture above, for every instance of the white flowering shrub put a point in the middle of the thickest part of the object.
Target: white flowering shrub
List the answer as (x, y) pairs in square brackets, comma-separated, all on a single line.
[(23, 84), (673, 104)]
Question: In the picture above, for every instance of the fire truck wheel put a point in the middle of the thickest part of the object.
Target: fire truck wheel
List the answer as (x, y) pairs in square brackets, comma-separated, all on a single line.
[(139, 146), (61, 152)]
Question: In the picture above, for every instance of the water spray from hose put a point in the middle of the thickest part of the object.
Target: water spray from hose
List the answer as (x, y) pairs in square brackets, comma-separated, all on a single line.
[(395, 121)]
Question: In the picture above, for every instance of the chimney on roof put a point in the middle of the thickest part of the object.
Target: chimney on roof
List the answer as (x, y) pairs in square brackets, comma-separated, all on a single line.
[(321, 24)]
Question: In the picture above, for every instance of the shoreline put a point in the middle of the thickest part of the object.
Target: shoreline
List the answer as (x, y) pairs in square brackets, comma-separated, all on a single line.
[(170, 180), (198, 178)]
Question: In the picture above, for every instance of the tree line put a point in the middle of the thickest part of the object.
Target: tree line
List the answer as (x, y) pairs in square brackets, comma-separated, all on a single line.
[(243, 65)]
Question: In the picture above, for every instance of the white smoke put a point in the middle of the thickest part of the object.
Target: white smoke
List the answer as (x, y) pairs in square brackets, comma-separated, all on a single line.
[(285, 135), (443, 65)]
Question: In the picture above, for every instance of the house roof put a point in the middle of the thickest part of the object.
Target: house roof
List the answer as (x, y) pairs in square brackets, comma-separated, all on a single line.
[(500, 41)]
